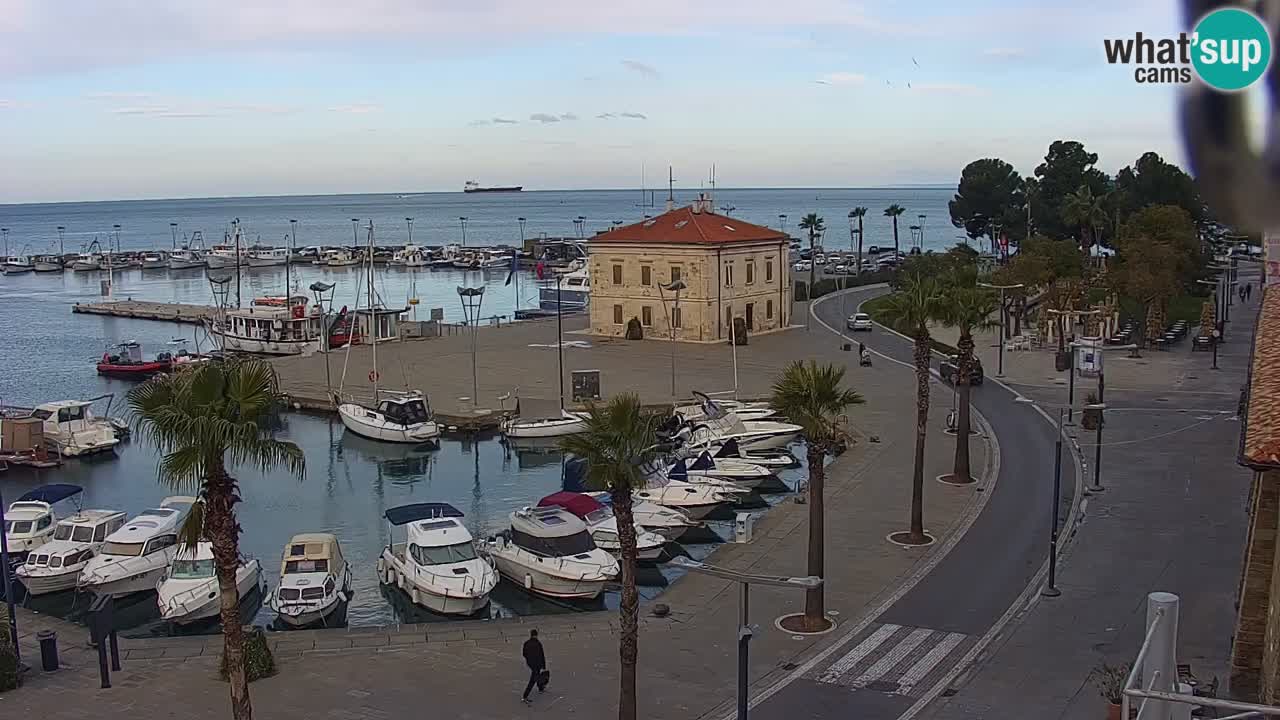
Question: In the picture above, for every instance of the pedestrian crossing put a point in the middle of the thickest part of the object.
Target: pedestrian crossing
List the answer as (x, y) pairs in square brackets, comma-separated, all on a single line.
[(896, 659)]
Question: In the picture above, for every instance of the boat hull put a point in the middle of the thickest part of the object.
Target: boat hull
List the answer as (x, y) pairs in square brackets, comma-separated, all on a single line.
[(392, 572), (542, 583), (140, 371), (45, 584), (18, 269), (512, 188), (136, 583), (259, 346), (544, 428), (48, 267), (209, 602), (354, 419), (185, 264)]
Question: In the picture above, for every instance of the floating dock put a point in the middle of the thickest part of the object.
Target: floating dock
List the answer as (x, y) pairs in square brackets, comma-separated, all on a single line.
[(144, 310)]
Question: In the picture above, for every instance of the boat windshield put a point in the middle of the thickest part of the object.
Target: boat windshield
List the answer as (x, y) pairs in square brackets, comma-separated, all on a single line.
[(599, 515), (17, 527), (575, 544), (306, 566), (119, 548), (82, 533), (443, 554), (192, 569)]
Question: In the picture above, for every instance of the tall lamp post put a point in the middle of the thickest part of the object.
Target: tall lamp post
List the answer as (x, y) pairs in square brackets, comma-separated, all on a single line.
[(745, 629), (463, 222), (7, 568), (673, 316), (1003, 332), (220, 285), (472, 298), (173, 235), (782, 223), (61, 251), (579, 225), (318, 289), (922, 216), (5, 232)]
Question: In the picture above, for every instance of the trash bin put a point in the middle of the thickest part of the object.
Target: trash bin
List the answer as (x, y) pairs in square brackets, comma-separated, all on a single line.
[(48, 650)]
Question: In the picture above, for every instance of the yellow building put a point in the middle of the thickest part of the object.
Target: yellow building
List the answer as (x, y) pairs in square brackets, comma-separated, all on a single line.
[(729, 269)]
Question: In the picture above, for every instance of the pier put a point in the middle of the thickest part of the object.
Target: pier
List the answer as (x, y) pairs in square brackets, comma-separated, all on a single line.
[(145, 310)]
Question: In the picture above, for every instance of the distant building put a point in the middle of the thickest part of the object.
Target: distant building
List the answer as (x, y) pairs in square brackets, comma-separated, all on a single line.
[(730, 269)]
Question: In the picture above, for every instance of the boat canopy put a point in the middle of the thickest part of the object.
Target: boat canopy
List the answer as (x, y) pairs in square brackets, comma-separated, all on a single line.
[(729, 449), (546, 522), (406, 514), (52, 493), (576, 503), (678, 471), (704, 462), (305, 550)]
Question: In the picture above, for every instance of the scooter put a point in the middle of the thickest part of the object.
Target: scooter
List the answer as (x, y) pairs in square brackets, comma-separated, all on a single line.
[(864, 358)]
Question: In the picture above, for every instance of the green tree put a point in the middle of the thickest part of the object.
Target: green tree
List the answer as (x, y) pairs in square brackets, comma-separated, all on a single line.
[(909, 311), (1085, 211), (968, 308), (1066, 167), (893, 211), (859, 212), (1152, 181), (991, 195), (1157, 254), (205, 420), (814, 397), (617, 443), (813, 223)]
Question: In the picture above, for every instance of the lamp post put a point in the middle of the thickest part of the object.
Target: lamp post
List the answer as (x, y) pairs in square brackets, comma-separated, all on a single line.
[(318, 289), (922, 216), (674, 286), (7, 568), (578, 224), (5, 232), (61, 251), (173, 234), (220, 286), (745, 629), (463, 221), (782, 223), (472, 298), (1003, 333)]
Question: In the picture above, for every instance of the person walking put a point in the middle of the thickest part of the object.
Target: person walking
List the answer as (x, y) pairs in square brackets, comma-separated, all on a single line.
[(536, 659), (1242, 294), (1248, 291)]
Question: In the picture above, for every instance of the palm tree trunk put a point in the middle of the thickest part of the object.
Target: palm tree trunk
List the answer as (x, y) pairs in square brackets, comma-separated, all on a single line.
[(813, 267), (895, 238), (220, 526), (922, 356), (629, 608), (960, 472), (815, 612)]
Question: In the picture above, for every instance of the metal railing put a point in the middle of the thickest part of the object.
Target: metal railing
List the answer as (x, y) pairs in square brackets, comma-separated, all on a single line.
[(1159, 694)]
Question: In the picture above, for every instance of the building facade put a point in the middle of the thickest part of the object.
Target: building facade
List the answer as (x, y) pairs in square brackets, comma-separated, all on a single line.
[(728, 269)]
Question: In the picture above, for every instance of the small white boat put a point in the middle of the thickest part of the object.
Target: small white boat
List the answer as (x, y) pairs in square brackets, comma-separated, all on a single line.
[(410, 256), (73, 430), (568, 423), (696, 501), (268, 256), (603, 524), (87, 262), (767, 458), (17, 266), (155, 260), (224, 256), (188, 592), (437, 565), (57, 564), (185, 259), (549, 552), (704, 467), (495, 260), (134, 557), (30, 521), (340, 257), (315, 581), (745, 411), (670, 524), (751, 434), (402, 418)]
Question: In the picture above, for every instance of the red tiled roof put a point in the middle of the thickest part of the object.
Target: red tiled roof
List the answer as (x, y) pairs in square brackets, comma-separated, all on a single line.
[(1261, 444), (683, 226)]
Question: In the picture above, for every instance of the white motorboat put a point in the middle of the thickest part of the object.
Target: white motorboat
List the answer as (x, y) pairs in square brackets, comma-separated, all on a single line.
[(411, 256), (437, 565), (745, 411), (445, 256), (495, 260), (670, 524), (188, 592), (695, 500), (568, 423), (270, 326), (57, 564), (155, 260), (73, 430), (340, 257), (29, 522), (603, 524), (402, 418), (572, 290), (47, 263), (185, 259), (718, 425), (17, 265), (704, 467), (549, 552), (315, 581), (134, 557), (268, 256), (768, 458)]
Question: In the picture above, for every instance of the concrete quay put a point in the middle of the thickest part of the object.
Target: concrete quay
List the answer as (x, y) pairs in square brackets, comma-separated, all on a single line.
[(146, 310)]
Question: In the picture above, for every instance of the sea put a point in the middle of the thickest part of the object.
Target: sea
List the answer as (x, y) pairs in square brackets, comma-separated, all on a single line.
[(48, 353)]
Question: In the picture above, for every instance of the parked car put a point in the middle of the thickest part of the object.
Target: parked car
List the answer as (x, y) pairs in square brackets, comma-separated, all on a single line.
[(873, 250), (840, 269), (947, 369), (802, 266), (859, 321)]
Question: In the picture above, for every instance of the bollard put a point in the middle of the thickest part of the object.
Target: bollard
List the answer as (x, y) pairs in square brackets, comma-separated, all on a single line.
[(1159, 669), (102, 633), (48, 650)]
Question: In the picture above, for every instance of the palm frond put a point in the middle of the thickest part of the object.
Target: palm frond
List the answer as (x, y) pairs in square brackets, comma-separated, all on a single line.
[(813, 397), (912, 308), (617, 442)]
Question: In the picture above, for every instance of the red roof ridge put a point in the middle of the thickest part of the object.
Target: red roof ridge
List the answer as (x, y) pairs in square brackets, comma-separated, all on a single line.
[(689, 226)]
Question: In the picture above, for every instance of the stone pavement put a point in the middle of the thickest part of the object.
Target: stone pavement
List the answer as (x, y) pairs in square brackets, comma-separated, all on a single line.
[(1173, 518), (687, 661)]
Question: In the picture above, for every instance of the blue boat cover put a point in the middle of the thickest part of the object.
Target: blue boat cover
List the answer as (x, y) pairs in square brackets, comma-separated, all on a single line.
[(421, 511), (704, 462), (55, 492), (678, 471), (575, 475), (729, 449)]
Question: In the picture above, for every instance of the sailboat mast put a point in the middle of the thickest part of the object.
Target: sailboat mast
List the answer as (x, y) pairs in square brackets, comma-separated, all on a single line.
[(238, 259), (373, 318), (560, 341)]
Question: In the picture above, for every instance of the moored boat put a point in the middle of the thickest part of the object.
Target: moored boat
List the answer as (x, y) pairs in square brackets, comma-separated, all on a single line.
[(188, 593), (154, 260), (134, 557), (71, 427), (57, 564), (30, 520), (603, 524), (129, 363), (47, 263), (270, 326), (315, 581), (437, 564), (548, 551)]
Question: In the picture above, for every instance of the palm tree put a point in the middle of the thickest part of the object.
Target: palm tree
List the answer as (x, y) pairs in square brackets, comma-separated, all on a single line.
[(859, 212), (204, 420), (967, 308), (909, 311), (1085, 210), (617, 443), (814, 398), (893, 211), (813, 223)]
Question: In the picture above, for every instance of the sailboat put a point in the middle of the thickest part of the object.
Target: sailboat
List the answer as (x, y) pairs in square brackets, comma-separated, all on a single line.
[(403, 417), (568, 422)]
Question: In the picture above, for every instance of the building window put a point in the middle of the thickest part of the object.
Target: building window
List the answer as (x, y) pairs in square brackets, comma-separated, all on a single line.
[(768, 271), (617, 313), (675, 318), (728, 317), (646, 316), (728, 274), (675, 274), (751, 316), (768, 310), (617, 274), (646, 275), (751, 271)]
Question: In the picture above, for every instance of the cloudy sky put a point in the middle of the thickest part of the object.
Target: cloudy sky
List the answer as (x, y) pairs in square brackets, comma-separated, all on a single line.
[(103, 99)]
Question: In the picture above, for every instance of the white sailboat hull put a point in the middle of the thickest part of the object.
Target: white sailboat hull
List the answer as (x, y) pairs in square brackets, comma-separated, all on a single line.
[(568, 424), (368, 423)]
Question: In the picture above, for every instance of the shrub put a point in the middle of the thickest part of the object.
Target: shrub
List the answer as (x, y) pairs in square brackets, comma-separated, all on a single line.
[(8, 660), (258, 661)]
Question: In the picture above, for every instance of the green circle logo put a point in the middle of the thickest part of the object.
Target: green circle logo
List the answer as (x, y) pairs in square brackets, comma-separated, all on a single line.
[(1232, 49)]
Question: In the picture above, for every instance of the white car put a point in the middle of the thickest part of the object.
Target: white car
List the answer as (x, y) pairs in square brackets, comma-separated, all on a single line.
[(802, 266), (840, 269), (859, 321)]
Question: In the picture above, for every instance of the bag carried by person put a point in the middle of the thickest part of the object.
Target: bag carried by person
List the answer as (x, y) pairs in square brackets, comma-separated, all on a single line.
[(544, 677)]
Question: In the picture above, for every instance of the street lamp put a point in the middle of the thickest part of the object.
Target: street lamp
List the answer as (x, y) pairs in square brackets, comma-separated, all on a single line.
[(5, 232), (472, 298), (61, 250), (674, 286), (220, 285), (745, 630), (173, 233), (522, 221), (7, 568), (578, 224), (1003, 332), (318, 289), (922, 216), (782, 223), (463, 222)]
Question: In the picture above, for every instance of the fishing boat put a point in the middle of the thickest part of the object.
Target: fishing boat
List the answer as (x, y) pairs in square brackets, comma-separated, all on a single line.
[(224, 255), (154, 260), (437, 564), (188, 592), (71, 427), (548, 551), (47, 263), (340, 257), (133, 558), (571, 290), (185, 259), (270, 326), (603, 525), (267, 256), (315, 581), (566, 423), (410, 256), (17, 265), (89, 259), (29, 521), (56, 565)]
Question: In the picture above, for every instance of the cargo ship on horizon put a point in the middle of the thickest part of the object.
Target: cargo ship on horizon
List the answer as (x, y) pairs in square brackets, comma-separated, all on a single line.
[(472, 186)]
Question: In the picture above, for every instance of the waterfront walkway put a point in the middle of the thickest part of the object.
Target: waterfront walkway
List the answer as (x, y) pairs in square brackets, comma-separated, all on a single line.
[(687, 661)]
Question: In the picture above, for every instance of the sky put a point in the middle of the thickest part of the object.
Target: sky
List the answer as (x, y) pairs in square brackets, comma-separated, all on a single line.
[(112, 99)]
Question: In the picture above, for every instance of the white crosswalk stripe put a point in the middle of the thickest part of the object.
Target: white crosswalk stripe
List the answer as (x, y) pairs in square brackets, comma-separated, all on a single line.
[(863, 649), (894, 659), (895, 655), (926, 664)]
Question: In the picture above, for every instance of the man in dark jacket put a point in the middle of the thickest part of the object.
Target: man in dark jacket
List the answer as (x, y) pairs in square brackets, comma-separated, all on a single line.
[(537, 662)]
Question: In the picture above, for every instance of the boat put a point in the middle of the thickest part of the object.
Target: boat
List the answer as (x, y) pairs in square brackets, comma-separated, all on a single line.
[(719, 425), (47, 263), (696, 501), (128, 362), (57, 564), (670, 524), (73, 430), (188, 593), (410, 256), (315, 581), (17, 265), (603, 525), (437, 564), (768, 458), (270, 326), (226, 255), (340, 257), (746, 411), (134, 557), (29, 521), (469, 260), (705, 467), (495, 260), (444, 256), (267, 256), (155, 260), (88, 260), (471, 186), (548, 551), (572, 290), (185, 259)]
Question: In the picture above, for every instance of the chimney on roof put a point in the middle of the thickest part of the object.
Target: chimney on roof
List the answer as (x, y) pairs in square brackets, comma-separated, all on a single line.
[(702, 204)]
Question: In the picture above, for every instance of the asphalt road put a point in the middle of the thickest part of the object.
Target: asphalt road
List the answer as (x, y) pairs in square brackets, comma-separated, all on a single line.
[(973, 586)]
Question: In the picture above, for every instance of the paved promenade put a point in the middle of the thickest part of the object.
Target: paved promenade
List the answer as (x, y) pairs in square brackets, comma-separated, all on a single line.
[(687, 661)]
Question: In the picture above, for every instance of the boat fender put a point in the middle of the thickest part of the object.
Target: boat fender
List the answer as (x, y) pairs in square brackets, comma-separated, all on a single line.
[(528, 581), (413, 595), (373, 376), (342, 596)]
